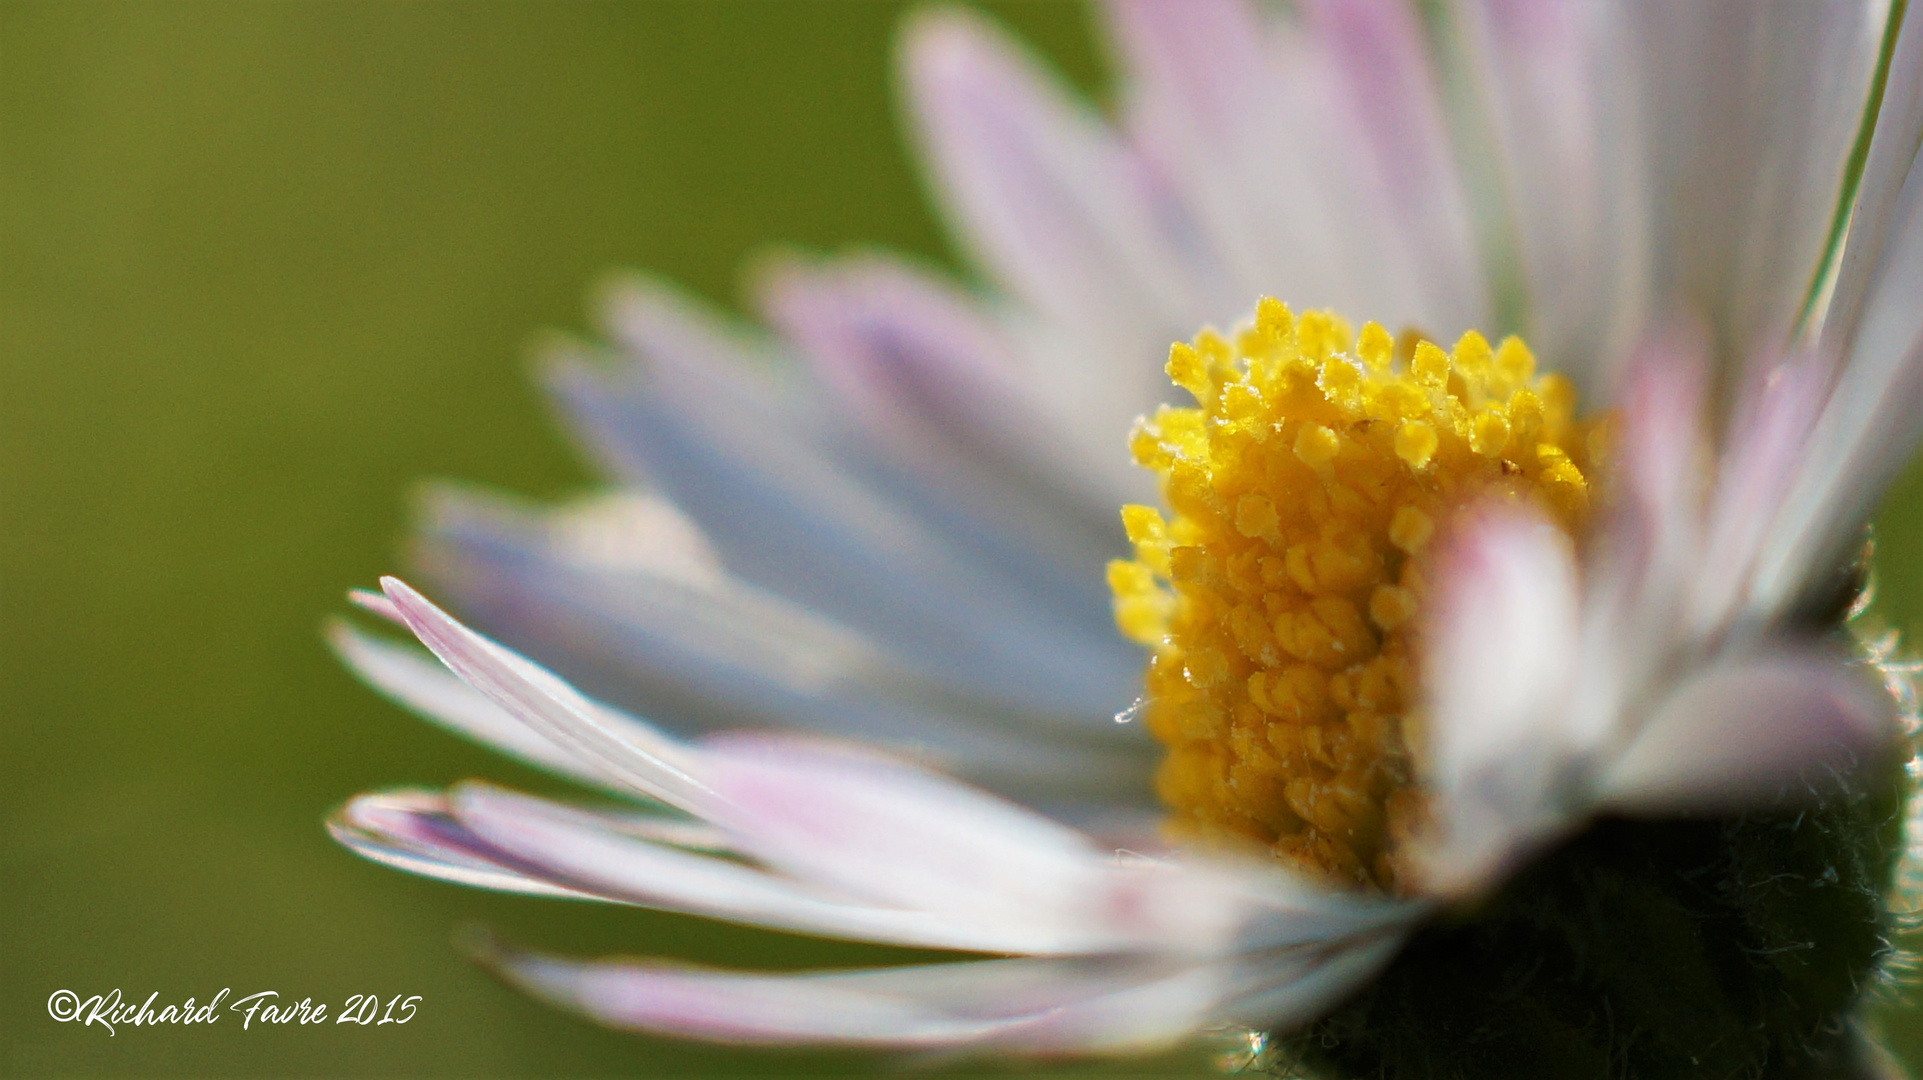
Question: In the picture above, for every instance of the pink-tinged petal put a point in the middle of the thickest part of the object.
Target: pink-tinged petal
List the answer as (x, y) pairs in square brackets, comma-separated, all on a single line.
[(1054, 206), (1742, 732), (1201, 60), (412, 830), (1501, 647), (1571, 169), (616, 610), (376, 604), (1648, 552), (787, 513), (903, 837), (629, 750), (417, 681), (576, 846), (1110, 1005), (887, 338), (1394, 101), (1203, 101), (1034, 1005), (1661, 448), (1767, 443), (941, 385), (418, 831), (907, 838)]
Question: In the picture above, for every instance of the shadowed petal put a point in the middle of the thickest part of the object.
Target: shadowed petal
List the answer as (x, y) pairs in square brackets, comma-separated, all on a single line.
[(703, 652), (783, 513), (1869, 426), (1501, 648), (1740, 732), (943, 388), (1107, 1005)]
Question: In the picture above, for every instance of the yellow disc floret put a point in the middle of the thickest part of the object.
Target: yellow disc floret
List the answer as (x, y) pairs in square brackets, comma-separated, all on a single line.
[(1280, 595)]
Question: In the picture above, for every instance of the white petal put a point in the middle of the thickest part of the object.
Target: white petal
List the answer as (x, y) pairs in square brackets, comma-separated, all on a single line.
[(572, 845), (1767, 444), (412, 830), (905, 837), (698, 653), (1749, 112), (1568, 149), (1057, 209), (1096, 1005), (629, 750), (1869, 425), (786, 516), (419, 682), (1740, 732), (1202, 101), (1032, 1005), (939, 386), (1648, 554), (1393, 101), (1501, 647), (917, 840), (1043, 191)]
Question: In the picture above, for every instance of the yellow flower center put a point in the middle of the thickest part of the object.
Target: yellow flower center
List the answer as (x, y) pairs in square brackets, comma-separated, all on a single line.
[(1280, 598)]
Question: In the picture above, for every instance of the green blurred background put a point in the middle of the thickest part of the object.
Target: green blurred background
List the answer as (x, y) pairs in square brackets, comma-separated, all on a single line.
[(263, 267)]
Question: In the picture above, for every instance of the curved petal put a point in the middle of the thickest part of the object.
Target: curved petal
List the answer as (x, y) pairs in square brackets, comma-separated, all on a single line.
[(784, 514), (863, 826), (1868, 427), (629, 750), (701, 651), (1568, 147), (423, 685), (1107, 1005), (1393, 101), (1501, 647), (1116, 1006), (413, 830), (1744, 730), (569, 845), (1059, 210), (942, 386)]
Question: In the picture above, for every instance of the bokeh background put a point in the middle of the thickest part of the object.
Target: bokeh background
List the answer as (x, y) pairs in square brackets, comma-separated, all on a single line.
[(263, 268)]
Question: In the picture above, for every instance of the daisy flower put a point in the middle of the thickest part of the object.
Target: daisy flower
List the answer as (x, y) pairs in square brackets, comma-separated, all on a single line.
[(1482, 703)]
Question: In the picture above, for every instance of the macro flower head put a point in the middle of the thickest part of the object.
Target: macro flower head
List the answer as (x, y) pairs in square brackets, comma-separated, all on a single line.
[(1454, 669)]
